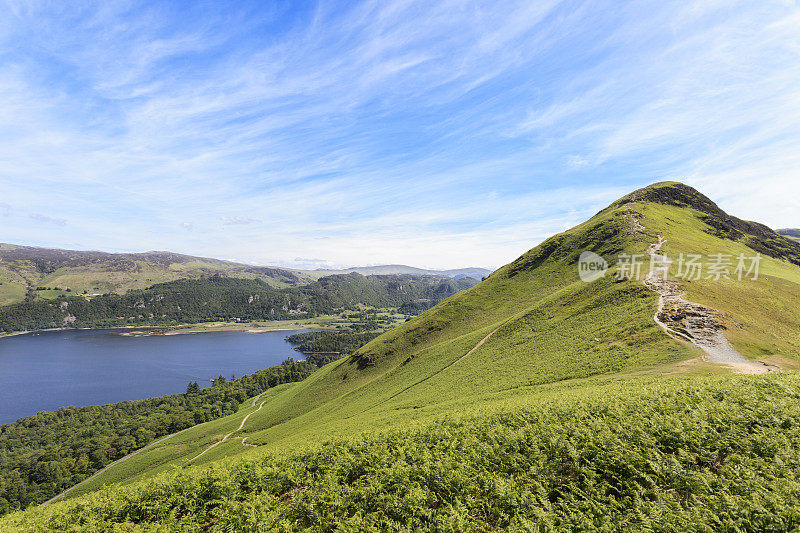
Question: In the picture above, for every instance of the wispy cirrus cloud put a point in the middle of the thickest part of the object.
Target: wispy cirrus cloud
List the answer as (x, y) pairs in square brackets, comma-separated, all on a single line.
[(436, 133), (238, 221), (48, 219)]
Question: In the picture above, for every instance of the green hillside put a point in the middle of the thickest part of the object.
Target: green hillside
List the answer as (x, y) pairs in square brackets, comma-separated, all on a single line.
[(792, 233), (698, 454), (24, 268), (218, 298), (49, 272), (496, 387)]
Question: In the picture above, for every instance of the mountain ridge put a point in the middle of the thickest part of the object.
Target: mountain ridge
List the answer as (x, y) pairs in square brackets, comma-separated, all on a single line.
[(23, 268), (472, 272), (755, 235), (531, 335)]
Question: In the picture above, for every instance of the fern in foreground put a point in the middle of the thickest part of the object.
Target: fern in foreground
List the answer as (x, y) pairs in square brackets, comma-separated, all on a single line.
[(703, 455)]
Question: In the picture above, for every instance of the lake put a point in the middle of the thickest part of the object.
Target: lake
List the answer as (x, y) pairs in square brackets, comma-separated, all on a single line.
[(51, 369)]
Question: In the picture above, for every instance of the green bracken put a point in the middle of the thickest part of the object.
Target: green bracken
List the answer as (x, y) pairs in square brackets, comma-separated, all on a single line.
[(532, 401), (674, 455)]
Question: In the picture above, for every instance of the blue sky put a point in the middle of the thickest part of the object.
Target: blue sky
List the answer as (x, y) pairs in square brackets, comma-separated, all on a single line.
[(437, 134)]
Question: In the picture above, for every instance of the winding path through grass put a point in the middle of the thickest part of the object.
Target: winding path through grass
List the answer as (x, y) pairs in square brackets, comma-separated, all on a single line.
[(480, 343), (226, 437)]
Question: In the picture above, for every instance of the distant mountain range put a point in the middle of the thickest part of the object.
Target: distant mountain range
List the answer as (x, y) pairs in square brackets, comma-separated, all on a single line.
[(56, 272), (457, 273), (537, 398), (790, 232)]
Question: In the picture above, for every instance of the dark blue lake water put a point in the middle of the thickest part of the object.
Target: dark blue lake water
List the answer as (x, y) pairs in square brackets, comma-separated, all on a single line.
[(47, 370)]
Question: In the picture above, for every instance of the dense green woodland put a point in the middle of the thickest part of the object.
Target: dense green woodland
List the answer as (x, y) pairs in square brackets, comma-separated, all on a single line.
[(342, 342), (697, 455), (390, 438), (44, 454), (218, 298)]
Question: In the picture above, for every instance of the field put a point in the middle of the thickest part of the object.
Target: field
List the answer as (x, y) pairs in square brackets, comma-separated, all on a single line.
[(12, 287), (387, 319), (530, 401), (25, 268), (643, 454)]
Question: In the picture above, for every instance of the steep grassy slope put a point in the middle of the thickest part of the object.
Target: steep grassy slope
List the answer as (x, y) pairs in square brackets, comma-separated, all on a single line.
[(761, 315), (545, 324), (532, 333), (694, 454)]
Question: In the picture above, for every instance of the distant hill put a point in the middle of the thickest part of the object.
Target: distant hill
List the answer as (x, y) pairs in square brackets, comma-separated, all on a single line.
[(607, 400), (472, 272), (793, 234), (219, 298), (24, 268), (50, 272)]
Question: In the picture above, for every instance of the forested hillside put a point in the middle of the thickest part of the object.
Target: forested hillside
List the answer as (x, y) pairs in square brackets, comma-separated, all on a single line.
[(645, 455), (534, 400), (218, 298), (49, 272), (55, 272), (43, 454)]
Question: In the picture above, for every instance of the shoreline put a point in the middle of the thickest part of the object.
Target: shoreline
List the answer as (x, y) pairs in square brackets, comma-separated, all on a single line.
[(184, 329), (249, 328)]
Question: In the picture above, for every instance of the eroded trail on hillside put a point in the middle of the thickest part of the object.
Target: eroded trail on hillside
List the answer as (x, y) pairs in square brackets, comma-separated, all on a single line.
[(226, 437), (691, 321), (470, 352)]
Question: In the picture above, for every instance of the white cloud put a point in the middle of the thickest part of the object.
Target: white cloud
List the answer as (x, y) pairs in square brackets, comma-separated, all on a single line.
[(237, 221), (440, 134), (48, 219)]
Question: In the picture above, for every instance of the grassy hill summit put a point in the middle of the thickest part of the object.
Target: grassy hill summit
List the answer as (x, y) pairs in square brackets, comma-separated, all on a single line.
[(646, 398)]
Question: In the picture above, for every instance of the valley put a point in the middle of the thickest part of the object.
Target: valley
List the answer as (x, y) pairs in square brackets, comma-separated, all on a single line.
[(232, 300), (47, 273), (399, 266), (531, 397)]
